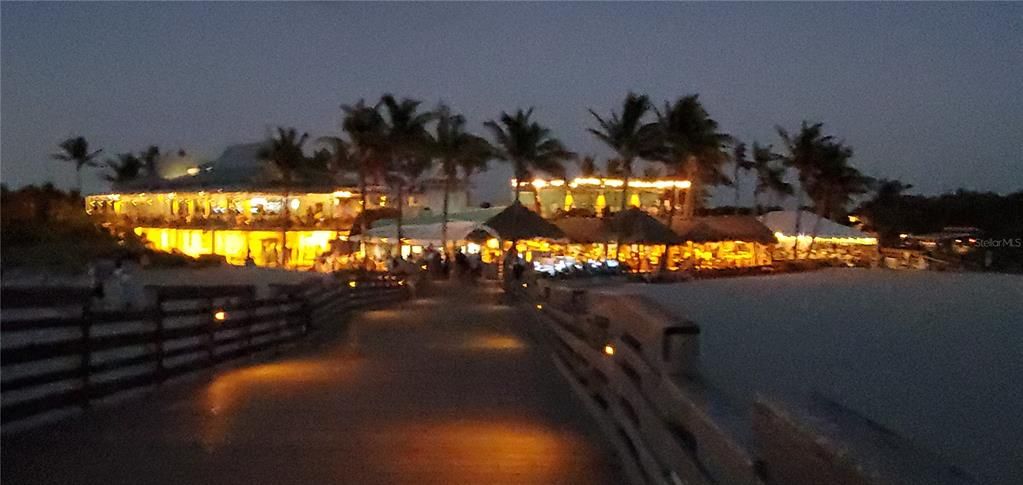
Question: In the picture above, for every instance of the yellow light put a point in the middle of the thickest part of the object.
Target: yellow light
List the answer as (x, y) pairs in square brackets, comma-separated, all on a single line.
[(557, 182), (193, 171), (685, 184), (539, 183), (294, 204), (352, 284), (220, 315), (539, 306), (614, 182), (569, 201), (344, 194), (609, 350), (492, 243), (524, 285), (601, 202), (634, 200)]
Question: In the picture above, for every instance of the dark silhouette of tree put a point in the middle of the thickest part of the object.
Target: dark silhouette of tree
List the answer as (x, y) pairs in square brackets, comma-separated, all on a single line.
[(691, 146), (627, 135), (150, 158), (770, 176), (367, 131), (285, 152), (454, 149), (528, 146), (588, 166), (408, 143), (125, 168), (804, 153), (76, 150), (740, 163)]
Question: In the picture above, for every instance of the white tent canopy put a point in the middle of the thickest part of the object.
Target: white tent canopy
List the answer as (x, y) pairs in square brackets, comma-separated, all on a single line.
[(784, 222), (424, 234)]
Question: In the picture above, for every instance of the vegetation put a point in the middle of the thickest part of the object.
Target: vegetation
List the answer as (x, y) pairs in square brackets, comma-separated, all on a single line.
[(822, 167), (76, 150), (690, 145), (454, 148), (627, 135), (126, 168), (528, 146), (407, 145), (43, 227), (770, 177)]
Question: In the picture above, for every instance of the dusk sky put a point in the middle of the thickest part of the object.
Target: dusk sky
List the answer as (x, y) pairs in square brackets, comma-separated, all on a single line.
[(928, 93)]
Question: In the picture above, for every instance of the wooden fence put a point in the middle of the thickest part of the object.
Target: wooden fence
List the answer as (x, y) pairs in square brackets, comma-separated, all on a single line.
[(57, 353)]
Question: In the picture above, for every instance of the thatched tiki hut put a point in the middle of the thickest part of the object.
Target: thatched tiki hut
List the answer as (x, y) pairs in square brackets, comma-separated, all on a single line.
[(722, 242), (643, 239), (522, 232)]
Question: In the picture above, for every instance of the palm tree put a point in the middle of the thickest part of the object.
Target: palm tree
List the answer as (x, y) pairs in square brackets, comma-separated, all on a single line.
[(454, 149), (588, 166), (407, 143), (126, 168), (471, 166), (739, 163), (528, 146), (285, 152), (336, 156), (366, 131), (691, 146), (804, 155), (76, 150), (770, 177), (833, 185), (150, 160), (627, 135)]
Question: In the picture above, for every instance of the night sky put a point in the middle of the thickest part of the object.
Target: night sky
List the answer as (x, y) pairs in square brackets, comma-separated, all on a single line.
[(928, 93)]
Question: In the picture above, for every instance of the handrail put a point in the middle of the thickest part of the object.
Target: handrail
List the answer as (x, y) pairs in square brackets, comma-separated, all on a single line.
[(636, 368), (52, 363)]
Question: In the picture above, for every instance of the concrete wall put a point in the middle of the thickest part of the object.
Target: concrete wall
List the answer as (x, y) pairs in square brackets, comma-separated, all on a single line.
[(637, 369)]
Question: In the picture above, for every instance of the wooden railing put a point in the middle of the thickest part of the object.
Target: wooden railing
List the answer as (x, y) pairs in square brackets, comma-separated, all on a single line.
[(637, 369), (59, 353)]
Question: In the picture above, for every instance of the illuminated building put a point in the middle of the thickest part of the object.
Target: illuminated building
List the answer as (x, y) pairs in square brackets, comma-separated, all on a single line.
[(237, 207), (597, 196)]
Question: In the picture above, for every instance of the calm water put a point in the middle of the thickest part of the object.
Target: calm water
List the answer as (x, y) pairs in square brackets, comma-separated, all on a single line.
[(938, 357)]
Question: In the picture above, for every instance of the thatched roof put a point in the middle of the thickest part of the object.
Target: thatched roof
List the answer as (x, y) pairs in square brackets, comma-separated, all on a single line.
[(517, 222), (633, 226), (723, 228), (584, 230)]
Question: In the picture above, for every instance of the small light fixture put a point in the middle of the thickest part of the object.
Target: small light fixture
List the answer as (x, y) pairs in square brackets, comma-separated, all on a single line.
[(539, 306), (352, 284), (525, 285), (220, 315), (609, 349)]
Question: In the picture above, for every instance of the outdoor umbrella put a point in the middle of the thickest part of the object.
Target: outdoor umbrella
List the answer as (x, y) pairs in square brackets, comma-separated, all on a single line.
[(516, 222), (633, 226), (584, 230)]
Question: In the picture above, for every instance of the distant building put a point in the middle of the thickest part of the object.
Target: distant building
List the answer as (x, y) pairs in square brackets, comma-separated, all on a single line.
[(599, 196), (238, 207)]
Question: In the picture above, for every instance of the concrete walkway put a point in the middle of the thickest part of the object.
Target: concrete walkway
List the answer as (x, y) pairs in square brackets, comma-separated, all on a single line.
[(446, 389)]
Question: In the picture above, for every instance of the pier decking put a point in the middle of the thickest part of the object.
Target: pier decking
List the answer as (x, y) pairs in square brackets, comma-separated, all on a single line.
[(442, 389)]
